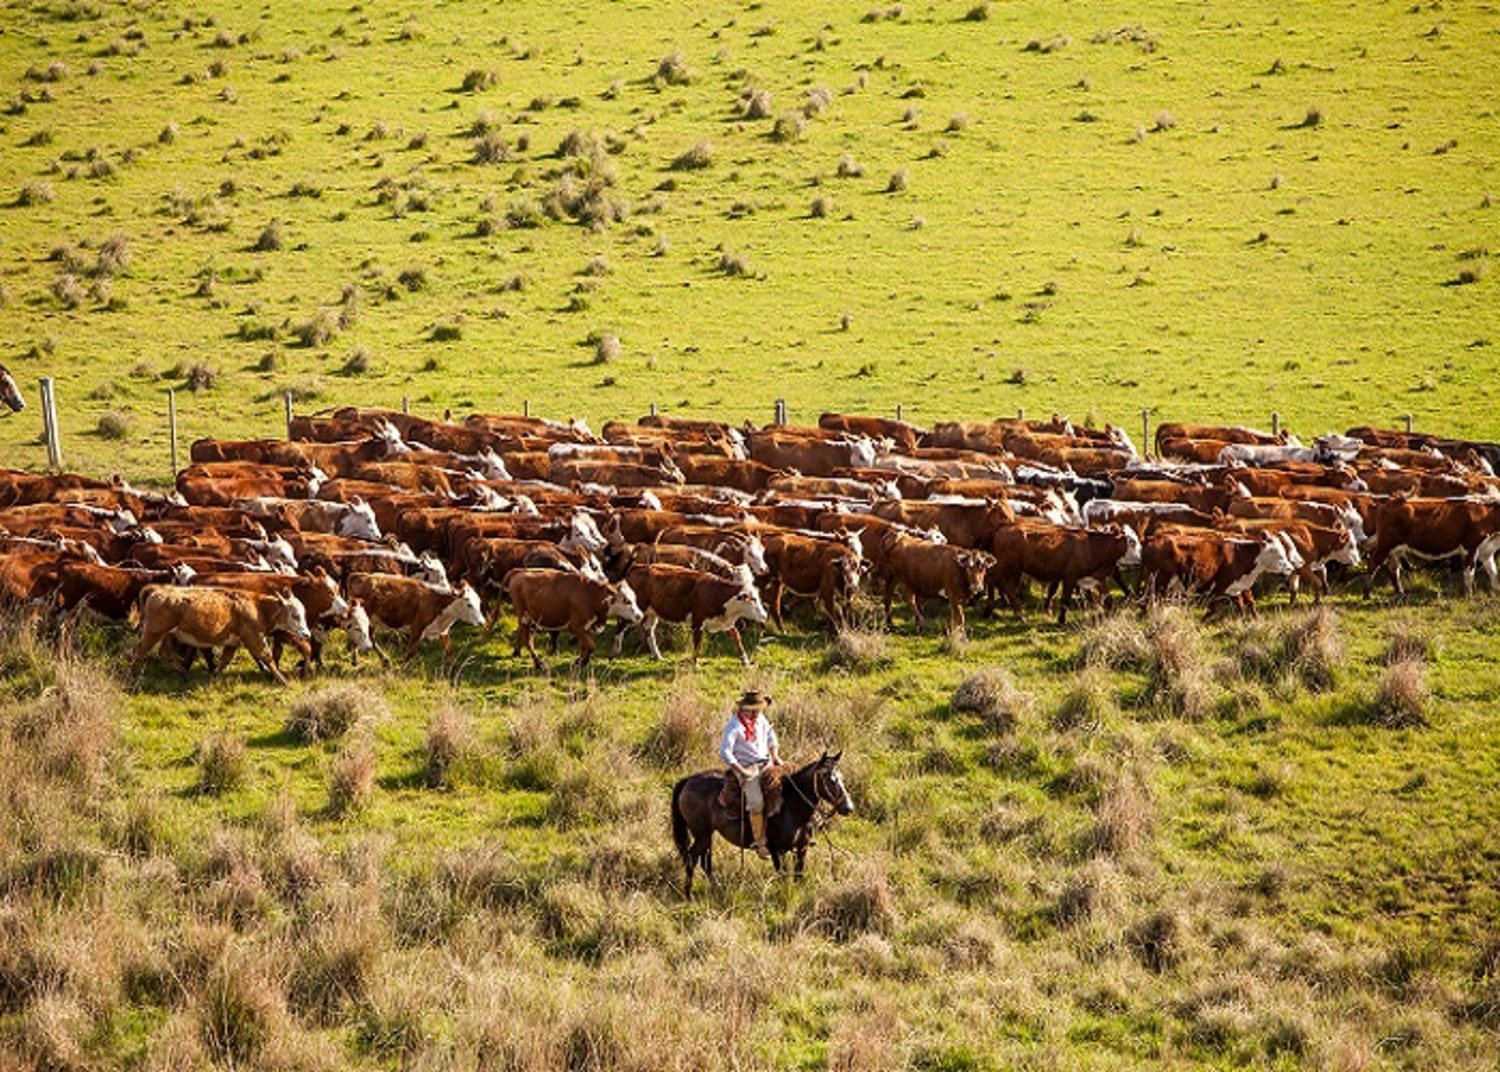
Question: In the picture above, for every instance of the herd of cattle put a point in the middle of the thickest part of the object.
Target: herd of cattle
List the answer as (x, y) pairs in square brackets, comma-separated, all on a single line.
[(373, 518)]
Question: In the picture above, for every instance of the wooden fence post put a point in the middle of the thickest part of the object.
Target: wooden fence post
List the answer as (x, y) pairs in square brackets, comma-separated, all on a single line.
[(1020, 413), (286, 400), (1146, 432), (780, 415), (1275, 423), (1408, 424), (898, 411), (172, 427), (653, 409), (526, 407), (406, 404), (49, 423)]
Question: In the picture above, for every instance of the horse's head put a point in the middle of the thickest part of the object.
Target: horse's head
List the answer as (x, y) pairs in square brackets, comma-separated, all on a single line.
[(828, 783), (10, 392)]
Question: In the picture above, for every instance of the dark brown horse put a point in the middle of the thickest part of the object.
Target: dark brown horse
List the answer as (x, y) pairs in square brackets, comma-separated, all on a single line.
[(10, 393), (697, 813)]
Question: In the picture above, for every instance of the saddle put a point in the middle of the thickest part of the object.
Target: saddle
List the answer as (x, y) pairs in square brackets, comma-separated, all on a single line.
[(770, 786)]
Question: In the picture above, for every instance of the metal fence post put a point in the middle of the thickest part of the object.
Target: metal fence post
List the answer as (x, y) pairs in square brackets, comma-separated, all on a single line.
[(653, 409), (780, 414), (286, 399), (1146, 432)]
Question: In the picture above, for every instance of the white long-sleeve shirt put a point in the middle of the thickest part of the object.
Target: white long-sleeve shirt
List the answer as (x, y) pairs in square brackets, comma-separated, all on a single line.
[(735, 750)]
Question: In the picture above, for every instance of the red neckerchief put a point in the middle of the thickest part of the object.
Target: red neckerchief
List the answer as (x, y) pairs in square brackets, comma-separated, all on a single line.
[(748, 725)]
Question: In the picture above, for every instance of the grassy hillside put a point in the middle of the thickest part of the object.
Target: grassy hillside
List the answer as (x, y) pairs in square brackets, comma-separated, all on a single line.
[(963, 208), (1138, 843), (1133, 843)]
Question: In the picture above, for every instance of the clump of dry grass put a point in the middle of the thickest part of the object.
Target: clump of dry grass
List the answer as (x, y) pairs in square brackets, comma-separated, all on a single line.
[(351, 776), (35, 193), (1087, 705), (992, 696), (1409, 641), (1156, 940), (821, 207), (673, 70), (684, 729), (788, 127), (270, 238), (898, 182), (326, 713), (201, 377), (223, 764), (450, 737), (478, 79), (734, 264), (860, 904), (113, 425), (756, 104), (1402, 698), (1125, 816), (695, 157), (607, 347), (1290, 650), (241, 1008), (849, 168), (858, 648), (1178, 677)]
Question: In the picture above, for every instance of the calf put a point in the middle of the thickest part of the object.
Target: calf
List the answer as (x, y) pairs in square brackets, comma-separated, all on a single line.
[(1056, 556), (704, 601), (207, 619), (928, 570), (424, 611), (318, 592), (551, 600)]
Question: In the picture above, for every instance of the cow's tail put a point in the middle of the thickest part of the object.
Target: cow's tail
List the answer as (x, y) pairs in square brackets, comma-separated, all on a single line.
[(679, 820)]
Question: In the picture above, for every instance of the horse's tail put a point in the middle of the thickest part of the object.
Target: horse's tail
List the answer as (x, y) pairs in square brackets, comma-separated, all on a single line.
[(679, 820)]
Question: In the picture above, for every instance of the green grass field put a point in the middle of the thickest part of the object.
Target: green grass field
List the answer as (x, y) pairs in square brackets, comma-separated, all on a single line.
[(1200, 854), (1052, 247)]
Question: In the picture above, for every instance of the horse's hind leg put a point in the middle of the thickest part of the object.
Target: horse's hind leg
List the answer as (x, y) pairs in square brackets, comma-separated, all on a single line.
[(703, 852)]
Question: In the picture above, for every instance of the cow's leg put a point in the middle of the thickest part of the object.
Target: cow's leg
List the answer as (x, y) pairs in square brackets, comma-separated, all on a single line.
[(1067, 597), (585, 646), (697, 640), (524, 639), (619, 638), (262, 656), (230, 650), (955, 614), (889, 595), (777, 589), (650, 623), (916, 609), (740, 644), (1051, 595), (1491, 571), (144, 646)]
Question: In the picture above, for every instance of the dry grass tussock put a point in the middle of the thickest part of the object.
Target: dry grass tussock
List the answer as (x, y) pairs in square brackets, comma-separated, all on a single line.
[(329, 712), (1402, 698), (685, 729), (856, 647), (1179, 679), (992, 696), (1293, 650), (449, 741)]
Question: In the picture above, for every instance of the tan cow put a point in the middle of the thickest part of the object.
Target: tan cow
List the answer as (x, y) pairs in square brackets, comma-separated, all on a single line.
[(207, 619)]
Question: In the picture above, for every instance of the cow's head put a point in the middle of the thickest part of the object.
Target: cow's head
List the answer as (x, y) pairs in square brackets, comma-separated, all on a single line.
[(338, 608), (1348, 552), (863, 453), (589, 566), (280, 554), (622, 603), (291, 616), (854, 540), (746, 605), (466, 608), (358, 521), (357, 626), (431, 569), (10, 392), (1132, 555), (522, 505), (584, 535), (316, 478), (390, 438), (1273, 557), (182, 573), (976, 567), (146, 534), (493, 465), (755, 555)]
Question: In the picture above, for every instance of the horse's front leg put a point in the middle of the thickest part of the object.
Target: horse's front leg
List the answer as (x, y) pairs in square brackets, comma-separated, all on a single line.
[(800, 861), (776, 860)]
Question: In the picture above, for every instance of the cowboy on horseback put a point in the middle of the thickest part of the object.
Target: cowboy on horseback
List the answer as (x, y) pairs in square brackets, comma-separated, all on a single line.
[(748, 747)]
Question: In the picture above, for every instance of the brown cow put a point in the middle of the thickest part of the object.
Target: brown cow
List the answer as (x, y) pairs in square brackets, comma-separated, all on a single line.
[(1226, 434), (704, 601), (1198, 496), (225, 483), (1057, 556), (812, 456), (905, 436), (727, 472), (1315, 547), (735, 544), (971, 525), (1468, 529), (823, 568), (928, 570), (207, 619), (336, 459), (110, 592), (28, 575), (551, 600), (423, 610), (1219, 566), (566, 470), (18, 488)]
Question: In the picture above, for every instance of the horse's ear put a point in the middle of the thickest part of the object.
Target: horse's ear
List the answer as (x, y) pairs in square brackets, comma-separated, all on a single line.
[(833, 760), (823, 758)]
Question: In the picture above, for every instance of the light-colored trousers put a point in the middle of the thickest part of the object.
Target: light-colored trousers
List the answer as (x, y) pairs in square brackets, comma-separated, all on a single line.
[(755, 802)]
